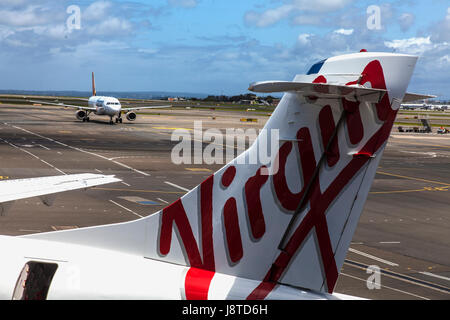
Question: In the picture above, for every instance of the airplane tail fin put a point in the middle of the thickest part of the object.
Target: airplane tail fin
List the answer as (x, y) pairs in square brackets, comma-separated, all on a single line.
[(291, 220), (94, 91)]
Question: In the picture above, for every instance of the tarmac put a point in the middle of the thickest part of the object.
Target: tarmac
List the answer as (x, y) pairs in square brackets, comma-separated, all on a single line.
[(403, 233)]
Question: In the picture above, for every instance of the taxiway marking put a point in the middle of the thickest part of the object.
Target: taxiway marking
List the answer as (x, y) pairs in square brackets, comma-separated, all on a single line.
[(393, 264), (413, 178), (78, 149), (413, 190), (166, 128), (44, 147), (198, 169), (162, 200), (383, 286), (434, 275), (125, 208), (34, 156), (137, 190), (402, 277), (176, 186)]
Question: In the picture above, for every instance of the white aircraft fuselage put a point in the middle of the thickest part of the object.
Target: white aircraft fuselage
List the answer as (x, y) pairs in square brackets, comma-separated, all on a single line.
[(107, 106), (82, 272)]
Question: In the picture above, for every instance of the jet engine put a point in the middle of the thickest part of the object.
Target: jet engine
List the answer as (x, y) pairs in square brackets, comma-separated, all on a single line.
[(81, 114), (131, 116)]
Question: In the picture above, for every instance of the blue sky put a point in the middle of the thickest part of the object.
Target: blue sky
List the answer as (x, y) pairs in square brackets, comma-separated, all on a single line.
[(210, 46)]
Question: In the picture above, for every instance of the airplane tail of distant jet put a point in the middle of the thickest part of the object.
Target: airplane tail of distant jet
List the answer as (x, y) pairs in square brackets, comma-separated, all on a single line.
[(94, 91), (290, 220)]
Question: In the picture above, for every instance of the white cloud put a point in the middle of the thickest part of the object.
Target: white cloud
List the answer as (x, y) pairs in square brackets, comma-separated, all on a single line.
[(310, 19), (441, 31), (320, 5), (184, 3), (406, 20), (445, 59), (29, 16), (110, 26), (304, 39), (97, 10), (56, 32), (345, 32), (414, 45), (302, 11), (4, 3), (268, 17)]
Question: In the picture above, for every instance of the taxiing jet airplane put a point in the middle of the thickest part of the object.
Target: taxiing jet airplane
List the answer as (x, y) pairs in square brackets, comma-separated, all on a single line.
[(242, 233), (103, 106)]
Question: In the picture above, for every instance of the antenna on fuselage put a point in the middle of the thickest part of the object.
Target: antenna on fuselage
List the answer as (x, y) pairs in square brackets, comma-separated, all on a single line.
[(94, 91)]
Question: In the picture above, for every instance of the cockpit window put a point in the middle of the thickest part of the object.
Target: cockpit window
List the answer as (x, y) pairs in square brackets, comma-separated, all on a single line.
[(316, 67)]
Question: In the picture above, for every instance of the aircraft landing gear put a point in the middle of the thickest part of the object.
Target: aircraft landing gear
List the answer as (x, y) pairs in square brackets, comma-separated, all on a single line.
[(111, 121), (119, 118), (86, 117)]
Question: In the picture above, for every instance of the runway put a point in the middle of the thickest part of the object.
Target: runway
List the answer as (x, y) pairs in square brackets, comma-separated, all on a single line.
[(404, 229)]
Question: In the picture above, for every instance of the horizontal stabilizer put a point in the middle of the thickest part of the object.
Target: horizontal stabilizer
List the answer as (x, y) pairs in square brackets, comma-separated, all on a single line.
[(320, 90), (410, 97), (11, 190)]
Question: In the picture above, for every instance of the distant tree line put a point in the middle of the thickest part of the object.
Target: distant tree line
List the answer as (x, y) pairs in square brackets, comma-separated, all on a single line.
[(235, 99)]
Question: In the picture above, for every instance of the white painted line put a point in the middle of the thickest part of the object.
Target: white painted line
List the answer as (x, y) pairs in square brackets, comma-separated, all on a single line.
[(435, 275), (383, 286), (162, 200), (44, 147), (389, 242), (176, 186), (100, 171), (373, 257), (126, 208), (132, 169), (78, 149), (402, 277), (34, 156), (126, 184)]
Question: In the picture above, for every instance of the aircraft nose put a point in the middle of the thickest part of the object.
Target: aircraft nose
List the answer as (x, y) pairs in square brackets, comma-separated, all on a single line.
[(114, 108)]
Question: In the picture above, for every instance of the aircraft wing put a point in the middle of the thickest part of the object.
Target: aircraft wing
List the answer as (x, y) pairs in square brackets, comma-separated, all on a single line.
[(148, 107), (409, 97), (47, 187), (321, 90), (60, 104)]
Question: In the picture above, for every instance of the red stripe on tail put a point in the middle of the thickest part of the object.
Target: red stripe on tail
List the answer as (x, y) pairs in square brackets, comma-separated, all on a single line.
[(197, 283)]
